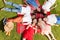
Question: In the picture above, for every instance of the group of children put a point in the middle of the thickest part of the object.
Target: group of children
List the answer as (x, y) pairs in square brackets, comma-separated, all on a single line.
[(32, 17)]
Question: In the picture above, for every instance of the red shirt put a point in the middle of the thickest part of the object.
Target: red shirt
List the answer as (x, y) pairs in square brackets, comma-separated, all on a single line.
[(28, 33), (20, 28), (39, 15)]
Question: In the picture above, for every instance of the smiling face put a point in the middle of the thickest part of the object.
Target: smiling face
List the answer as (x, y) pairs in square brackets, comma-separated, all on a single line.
[(39, 19), (34, 20), (33, 16)]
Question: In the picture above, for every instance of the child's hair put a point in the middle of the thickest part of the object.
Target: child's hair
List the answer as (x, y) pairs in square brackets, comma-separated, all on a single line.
[(32, 14)]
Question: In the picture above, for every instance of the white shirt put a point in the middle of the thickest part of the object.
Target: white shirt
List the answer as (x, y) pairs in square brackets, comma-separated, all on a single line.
[(48, 5), (51, 19), (52, 1), (26, 12)]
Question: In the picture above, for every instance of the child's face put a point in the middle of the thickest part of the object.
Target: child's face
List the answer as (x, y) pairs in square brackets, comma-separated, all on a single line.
[(40, 19), (35, 21), (33, 16)]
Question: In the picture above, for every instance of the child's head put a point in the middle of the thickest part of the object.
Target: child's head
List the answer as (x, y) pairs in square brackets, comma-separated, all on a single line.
[(39, 22), (33, 16), (40, 19), (34, 20)]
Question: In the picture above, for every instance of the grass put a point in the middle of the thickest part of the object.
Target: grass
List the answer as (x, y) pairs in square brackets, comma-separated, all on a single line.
[(14, 35)]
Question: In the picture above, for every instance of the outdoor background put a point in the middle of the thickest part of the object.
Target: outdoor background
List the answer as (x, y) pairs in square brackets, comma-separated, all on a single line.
[(14, 35)]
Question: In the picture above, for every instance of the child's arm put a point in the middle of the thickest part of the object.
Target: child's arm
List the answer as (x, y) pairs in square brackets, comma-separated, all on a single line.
[(35, 29), (28, 26), (53, 7)]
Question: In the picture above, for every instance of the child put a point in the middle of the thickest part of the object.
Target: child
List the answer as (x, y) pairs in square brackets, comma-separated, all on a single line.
[(46, 29), (53, 19), (22, 10), (30, 30), (41, 24)]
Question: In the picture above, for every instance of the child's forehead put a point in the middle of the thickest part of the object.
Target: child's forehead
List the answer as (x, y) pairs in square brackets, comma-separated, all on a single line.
[(44, 18), (40, 18), (35, 19)]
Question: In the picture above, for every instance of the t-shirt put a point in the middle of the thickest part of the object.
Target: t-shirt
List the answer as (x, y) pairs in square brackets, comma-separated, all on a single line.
[(51, 19), (52, 1), (48, 5), (26, 12)]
